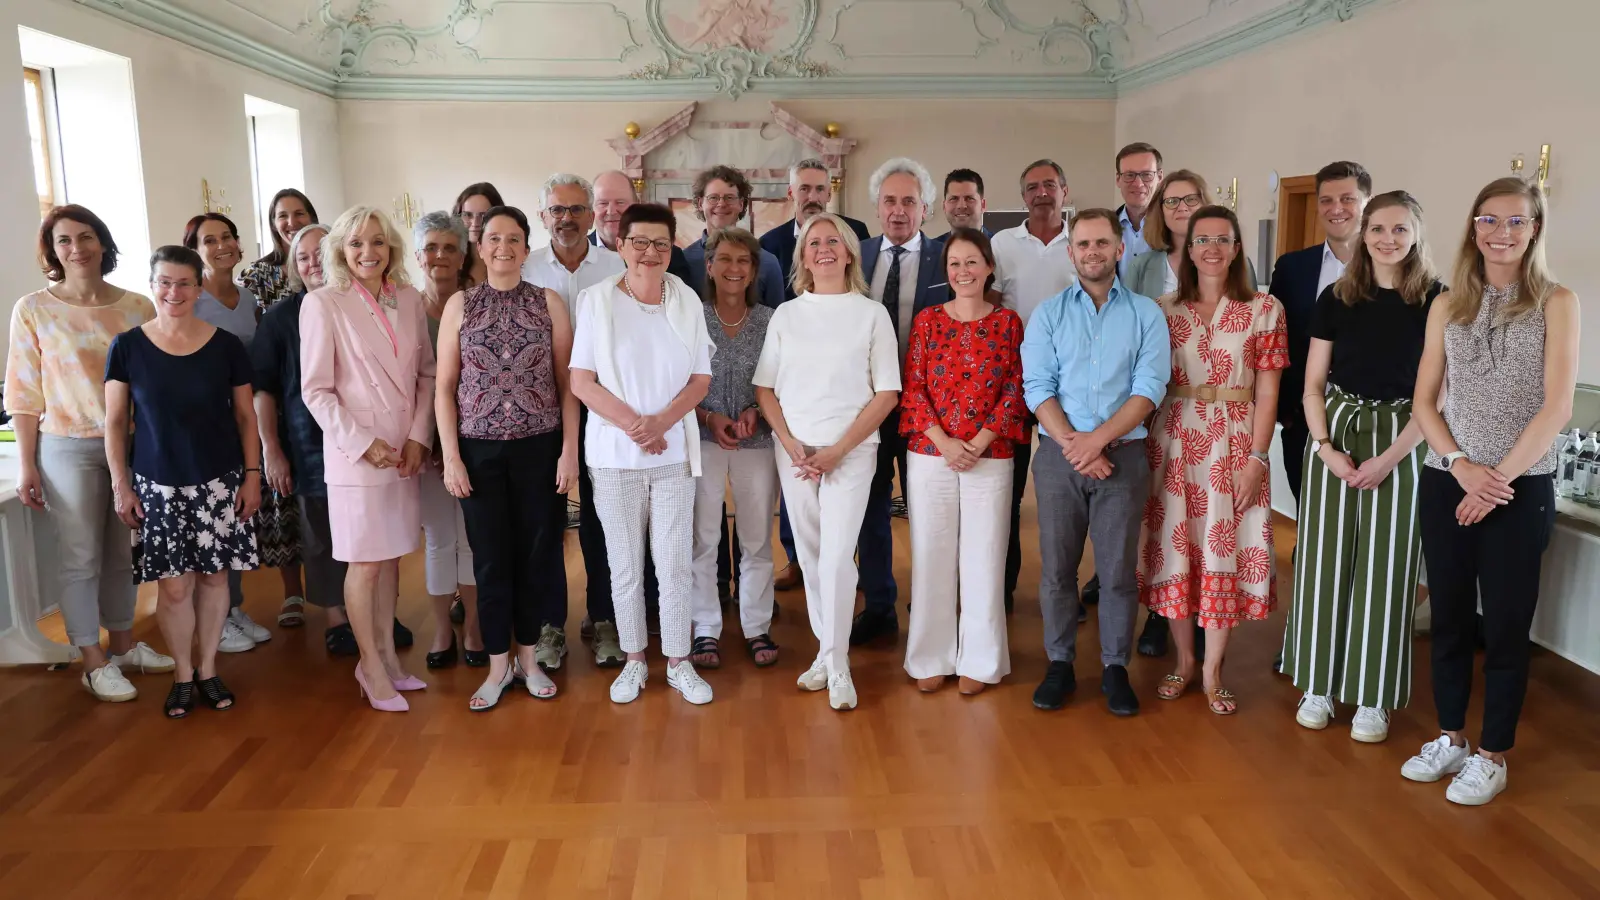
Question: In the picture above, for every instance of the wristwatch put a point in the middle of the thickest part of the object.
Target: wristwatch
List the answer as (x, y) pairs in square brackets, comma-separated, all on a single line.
[(1316, 445), (1450, 458)]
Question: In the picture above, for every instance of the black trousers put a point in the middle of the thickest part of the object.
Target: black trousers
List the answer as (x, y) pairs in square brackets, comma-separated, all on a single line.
[(592, 541), (1497, 562), (1295, 435), (1023, 453), (515, 521)]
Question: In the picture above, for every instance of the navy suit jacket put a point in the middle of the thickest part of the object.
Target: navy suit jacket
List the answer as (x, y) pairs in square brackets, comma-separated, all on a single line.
[(678, 265), (780, 242), (933, 288), (1294, 283)]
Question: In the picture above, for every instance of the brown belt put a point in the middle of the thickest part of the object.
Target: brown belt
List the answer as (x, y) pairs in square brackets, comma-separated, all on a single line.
[(1210, 393)]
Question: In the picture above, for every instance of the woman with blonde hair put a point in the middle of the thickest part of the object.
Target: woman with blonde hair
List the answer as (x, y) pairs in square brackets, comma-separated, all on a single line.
[(1355, 588), (1503, 345), (1154, 273), (367, 373), (829, 374)]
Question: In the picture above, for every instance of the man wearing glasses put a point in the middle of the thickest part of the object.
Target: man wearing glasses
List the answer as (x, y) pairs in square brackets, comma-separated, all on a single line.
[(721, 199), (1138, 173)]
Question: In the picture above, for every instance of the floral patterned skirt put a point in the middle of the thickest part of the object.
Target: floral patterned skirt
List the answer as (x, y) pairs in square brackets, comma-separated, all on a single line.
[(191, 528)]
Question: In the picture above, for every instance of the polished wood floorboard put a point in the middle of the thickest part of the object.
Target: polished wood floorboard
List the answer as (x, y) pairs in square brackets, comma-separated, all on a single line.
[(302, 791)]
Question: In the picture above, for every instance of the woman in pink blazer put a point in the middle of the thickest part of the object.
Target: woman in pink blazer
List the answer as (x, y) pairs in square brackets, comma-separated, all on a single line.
[(367, 377)]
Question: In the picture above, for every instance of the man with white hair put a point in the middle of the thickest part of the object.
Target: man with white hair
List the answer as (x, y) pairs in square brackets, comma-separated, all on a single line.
[(810, 191), (613, 194), (905, 273), (569, 264)]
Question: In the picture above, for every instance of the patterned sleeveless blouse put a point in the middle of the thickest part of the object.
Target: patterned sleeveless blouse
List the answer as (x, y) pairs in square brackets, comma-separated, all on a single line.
[(1494, 381), (508, 381)]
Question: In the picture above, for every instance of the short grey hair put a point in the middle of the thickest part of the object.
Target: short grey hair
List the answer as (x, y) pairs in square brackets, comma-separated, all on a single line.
[(440, 221), (810, 163), (563, 178), (291, 272), (902, 165)]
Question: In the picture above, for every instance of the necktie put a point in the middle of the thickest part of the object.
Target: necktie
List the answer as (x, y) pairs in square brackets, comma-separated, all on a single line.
[(891, 288)]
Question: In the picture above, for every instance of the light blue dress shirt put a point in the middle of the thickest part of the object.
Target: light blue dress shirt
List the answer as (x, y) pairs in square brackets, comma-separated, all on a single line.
[(1133, 242), (769, 277), (1092, 360)]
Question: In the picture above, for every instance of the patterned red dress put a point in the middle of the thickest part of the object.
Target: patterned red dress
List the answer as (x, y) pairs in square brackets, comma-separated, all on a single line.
[(965, 377), (1198, 554)]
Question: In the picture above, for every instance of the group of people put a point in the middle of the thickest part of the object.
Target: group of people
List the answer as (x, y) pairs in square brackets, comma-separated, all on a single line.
[(322, 415)]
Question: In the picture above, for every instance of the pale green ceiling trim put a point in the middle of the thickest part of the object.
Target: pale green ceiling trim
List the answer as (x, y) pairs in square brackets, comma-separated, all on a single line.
[(1054, 87), (175, 22)]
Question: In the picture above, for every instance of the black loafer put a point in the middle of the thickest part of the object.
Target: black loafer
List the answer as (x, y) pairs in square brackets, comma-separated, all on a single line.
[(475, 659), (443, 659), (1091, 591), (1153, 640), (869, 626), (1058, 684), (1120, 698), (341, 641), (458, 611), (403, 637)]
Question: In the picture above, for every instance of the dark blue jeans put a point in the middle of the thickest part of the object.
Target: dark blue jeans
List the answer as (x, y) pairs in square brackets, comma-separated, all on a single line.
[(875, 546)]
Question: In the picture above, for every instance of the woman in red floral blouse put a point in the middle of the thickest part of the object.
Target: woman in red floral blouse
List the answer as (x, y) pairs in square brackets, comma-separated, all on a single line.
[(961, 410)]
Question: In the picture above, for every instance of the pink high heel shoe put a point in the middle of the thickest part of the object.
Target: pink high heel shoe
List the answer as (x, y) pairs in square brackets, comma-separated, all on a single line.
[(397, 703), (410, 683)]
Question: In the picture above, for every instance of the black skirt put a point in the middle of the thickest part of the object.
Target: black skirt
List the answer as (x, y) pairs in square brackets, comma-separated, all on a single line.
[(191, 528)]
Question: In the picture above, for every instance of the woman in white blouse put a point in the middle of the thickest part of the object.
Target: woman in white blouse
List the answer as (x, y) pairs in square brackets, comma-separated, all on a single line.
[(828, 375)]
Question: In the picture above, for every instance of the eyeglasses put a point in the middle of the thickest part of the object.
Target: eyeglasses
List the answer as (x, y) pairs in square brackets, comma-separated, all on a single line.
[(558, 212), (1515, 224), (721, 199), (1147, 176), (1189, 200), (163, 284), (1221, 240), (642, 244)]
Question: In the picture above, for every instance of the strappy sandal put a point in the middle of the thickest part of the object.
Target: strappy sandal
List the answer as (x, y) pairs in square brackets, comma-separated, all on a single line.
[(293, 613), (180, 700), (706, 653), (758, 645), (1221, 695), (1172, 687), (215, 694), (539, 686)]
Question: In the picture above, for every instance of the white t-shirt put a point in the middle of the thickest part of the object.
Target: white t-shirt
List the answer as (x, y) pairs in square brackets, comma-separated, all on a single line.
[(653, 365), (1028, 271), (825, 357)]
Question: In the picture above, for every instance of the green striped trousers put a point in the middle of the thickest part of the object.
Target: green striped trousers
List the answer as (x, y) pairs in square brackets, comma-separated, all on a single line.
[(1356, 566)]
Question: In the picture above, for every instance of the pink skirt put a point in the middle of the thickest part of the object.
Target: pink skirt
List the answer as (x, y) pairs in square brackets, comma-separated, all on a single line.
[(374, 523)]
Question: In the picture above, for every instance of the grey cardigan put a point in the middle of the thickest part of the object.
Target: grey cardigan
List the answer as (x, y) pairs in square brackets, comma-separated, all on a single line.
[(1147, 273)]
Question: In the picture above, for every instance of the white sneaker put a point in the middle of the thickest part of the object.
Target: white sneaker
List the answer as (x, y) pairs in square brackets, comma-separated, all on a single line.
[(628, 685), (607, 648), (234, 639), (686, 681), (257, 633), (146, 660), (1477, 783), (1370, 725), (842, 692), (1315, 712), (1436, 759), (550, 650), (108, 683), (814, 678)]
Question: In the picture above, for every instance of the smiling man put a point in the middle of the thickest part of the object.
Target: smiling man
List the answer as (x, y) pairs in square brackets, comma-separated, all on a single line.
[(1138, 173), (964, 204), (721, 199), (810, 191), (613, 194)]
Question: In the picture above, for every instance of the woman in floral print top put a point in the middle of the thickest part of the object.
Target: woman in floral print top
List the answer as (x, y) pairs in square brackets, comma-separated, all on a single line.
[(267, 278)]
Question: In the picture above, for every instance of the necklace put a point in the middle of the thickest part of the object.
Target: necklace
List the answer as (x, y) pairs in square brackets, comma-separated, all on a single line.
[(649, 309), (718, 314)]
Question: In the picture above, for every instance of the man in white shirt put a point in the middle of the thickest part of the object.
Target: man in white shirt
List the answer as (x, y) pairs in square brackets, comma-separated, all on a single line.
[(1138, 173), (569, 264)]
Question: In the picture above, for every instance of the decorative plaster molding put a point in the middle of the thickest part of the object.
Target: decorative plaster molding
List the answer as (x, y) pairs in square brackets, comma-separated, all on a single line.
[(737, 56)]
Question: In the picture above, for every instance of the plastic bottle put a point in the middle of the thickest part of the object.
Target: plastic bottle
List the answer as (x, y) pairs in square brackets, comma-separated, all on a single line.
[(1567, 462)]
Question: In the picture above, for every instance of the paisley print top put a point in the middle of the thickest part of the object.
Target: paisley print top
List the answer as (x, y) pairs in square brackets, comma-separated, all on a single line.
[(508, 381)]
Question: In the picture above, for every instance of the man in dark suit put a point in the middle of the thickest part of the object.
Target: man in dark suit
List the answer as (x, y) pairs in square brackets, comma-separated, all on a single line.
[(904, 271), (810, 190), (964, 203), (613, 194)]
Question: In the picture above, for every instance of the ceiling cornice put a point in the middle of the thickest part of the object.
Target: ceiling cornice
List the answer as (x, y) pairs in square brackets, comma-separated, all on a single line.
[(1105, 82)]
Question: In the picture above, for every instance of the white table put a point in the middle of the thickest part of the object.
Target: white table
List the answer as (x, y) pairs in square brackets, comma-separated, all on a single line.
[(26, 550)]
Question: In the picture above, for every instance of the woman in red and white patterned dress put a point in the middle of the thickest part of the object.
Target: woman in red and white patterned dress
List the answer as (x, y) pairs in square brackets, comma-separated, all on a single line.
[(1206, 546)]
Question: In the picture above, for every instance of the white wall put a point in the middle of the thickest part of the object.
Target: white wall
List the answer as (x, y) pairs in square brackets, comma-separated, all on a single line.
[(1433, 96), (279, 164)]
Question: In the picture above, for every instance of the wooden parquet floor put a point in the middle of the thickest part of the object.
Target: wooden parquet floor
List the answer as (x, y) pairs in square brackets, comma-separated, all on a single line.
[(304, 792)]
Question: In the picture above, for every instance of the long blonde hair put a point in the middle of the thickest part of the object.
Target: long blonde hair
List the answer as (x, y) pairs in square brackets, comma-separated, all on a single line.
[(853, 279), (1416, 274), (1535, 284), (336, 272)]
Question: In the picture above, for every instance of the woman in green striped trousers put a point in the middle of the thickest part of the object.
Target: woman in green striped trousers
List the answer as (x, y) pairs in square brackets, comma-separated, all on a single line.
[(1355, 581)]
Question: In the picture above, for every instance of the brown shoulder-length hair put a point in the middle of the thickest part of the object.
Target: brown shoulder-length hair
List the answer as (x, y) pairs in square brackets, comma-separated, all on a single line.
[(720, 236), (477, 189), (1156, 233), (50, 263), (980, 241), (191, 231), (1238, 281), (1535, 283), (1416, 276), (280, 247)]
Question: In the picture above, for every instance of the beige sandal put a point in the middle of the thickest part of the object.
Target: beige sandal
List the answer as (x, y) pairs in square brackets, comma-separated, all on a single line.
[(1221, 695), (1172, 687)]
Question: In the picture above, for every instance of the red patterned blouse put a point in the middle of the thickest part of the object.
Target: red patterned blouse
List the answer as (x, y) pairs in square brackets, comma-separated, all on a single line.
[(965, 377)]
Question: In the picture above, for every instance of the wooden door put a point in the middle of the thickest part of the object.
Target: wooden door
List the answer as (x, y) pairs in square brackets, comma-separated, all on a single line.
[(1299, 226)]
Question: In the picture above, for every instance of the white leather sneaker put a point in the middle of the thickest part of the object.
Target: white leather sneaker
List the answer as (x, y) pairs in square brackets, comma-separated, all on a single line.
[(814, 678), (1315, 712), (258, 633), (686, 681), (842, 692), (108, 683), (630, 682), (1370, 725), (1436, 759), (144, 659), (1479, 780), (234, 639)]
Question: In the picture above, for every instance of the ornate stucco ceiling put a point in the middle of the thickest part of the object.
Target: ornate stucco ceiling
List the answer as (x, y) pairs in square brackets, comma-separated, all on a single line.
[(536, 49)]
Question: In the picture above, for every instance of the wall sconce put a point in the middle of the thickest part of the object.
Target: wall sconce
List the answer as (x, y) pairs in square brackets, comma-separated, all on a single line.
[(405, 211), (638, 187), (1231, 196), (214, 201), (1542, 174)]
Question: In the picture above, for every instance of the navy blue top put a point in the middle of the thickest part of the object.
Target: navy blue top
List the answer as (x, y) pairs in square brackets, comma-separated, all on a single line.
[(182, 406), (276, 354)]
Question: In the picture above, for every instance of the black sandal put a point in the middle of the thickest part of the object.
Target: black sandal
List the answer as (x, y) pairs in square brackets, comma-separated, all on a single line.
[(214, 693), (707, 647), (761, 643), (180, 700)]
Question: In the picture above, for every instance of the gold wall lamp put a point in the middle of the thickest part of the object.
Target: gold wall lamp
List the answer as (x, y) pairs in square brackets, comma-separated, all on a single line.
[(405, 211), (1230, 197), (1542, 175), (214, 201)]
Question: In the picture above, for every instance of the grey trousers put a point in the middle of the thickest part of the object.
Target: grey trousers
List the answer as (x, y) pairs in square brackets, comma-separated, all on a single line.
[(324, 575), (94, 549), (1072, 507)]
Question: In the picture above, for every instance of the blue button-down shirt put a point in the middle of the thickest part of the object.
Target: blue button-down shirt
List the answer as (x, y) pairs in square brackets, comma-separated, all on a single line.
[(1133, 242), (769, 277), (1092, 360)]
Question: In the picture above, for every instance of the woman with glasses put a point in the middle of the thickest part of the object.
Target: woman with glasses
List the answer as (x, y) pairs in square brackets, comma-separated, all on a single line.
[(1155, 272), (185, 386), (828, 376), (1206, 547), (641, 362), (56, 398), (1503, 345), (472, 205)]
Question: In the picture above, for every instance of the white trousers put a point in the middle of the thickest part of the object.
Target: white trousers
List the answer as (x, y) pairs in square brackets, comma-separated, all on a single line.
[(754, 481), (655, 505), (960, 524), (826, 520), (448, 562)]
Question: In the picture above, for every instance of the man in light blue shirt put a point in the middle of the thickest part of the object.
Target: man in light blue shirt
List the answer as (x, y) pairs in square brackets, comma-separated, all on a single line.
[(1095, 364), (1138, 174)]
